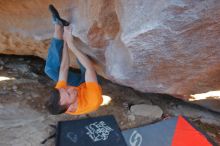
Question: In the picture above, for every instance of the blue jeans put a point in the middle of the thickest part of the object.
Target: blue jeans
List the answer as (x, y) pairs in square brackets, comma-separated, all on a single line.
[(53, 62)]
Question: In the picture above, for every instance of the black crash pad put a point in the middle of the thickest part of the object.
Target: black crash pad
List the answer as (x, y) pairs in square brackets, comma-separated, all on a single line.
[(100, 131)]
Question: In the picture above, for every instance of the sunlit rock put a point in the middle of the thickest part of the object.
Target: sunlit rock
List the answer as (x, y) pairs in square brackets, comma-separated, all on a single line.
[(163, 46)]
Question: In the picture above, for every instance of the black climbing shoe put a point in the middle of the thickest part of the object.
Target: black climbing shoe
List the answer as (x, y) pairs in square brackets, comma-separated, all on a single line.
[(56, 17)]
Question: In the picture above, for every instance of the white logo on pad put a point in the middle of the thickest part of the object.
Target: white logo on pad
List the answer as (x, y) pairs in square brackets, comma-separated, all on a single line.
[(135, 139), (98, 131)]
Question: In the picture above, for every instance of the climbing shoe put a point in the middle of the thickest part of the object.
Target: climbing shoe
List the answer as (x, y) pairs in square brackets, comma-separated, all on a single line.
[(56, 17)]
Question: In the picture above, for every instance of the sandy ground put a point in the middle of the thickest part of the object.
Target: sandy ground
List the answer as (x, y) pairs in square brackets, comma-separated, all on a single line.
[(24, 120)]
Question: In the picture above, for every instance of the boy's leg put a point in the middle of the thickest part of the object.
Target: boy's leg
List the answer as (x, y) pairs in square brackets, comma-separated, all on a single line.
[(55, 53), (54, 57)]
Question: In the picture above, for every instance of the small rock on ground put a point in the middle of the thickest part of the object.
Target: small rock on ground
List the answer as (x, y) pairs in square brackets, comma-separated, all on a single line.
[(150, 111)]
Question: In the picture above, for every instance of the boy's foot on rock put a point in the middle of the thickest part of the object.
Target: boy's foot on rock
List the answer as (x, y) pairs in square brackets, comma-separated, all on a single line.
[(56, 17)]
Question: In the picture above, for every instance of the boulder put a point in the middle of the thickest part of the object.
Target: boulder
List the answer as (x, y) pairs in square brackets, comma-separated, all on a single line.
[(158, 46)]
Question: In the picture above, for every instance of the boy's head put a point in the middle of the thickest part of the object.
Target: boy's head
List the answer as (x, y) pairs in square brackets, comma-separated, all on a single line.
[(61, 100)]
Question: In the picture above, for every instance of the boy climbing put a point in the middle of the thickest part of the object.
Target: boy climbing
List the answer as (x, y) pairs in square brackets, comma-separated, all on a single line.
[(74, 93)]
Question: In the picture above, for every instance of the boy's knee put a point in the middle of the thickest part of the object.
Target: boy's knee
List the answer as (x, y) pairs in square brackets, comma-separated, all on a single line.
[(51, 73)]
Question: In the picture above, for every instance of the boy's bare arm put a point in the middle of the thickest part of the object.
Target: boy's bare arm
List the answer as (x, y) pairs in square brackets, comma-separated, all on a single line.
[(64, 67), (90, 75)]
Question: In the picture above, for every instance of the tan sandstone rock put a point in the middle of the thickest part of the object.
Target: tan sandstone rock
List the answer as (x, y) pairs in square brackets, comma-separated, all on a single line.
[(163, 46)]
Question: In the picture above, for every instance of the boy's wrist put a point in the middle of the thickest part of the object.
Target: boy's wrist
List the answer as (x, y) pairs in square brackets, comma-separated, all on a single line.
[(70, 44)]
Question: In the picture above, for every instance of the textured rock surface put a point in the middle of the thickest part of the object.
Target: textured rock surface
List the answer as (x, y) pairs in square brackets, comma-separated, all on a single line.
[(149, 111), (164, 46)]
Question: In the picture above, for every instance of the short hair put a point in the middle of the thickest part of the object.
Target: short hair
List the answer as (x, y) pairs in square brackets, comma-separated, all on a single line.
[(53, 105)]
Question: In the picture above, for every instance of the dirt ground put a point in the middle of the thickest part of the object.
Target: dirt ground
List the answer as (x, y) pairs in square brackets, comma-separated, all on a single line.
[(24, 120)]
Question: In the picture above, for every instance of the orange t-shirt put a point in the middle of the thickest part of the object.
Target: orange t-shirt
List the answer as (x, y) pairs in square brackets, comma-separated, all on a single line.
[(89, 97)]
